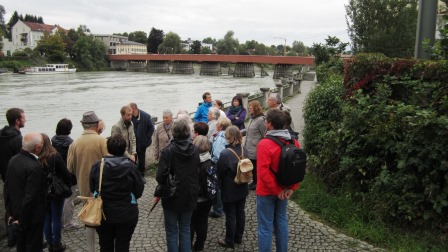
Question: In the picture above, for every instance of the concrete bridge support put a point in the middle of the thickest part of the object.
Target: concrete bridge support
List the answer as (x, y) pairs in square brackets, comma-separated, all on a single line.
[(244, 70), (182, 67), (158, 66), (119, 64), (136, 66), (281, 70), (210, 68)]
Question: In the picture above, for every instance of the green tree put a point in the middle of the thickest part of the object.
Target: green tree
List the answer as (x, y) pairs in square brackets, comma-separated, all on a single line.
[(138, 36), (261, 49), (90, 53), (324, 53), (171, 44), (299, 47), (2, 25), (52, 47), (209, 40), (196, 47), (206, 50), (228, 44), (386, 26), (155, 38)]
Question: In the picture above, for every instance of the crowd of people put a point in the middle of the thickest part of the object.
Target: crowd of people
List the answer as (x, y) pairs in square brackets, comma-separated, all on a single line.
[(185, 149)]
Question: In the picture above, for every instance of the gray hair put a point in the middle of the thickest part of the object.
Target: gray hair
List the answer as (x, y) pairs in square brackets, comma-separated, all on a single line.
[(30, 141), (202, 143), (276, 97), (168, 112), (181, 130), (215, 112), (90, 125), (224, 122), (183, 115)]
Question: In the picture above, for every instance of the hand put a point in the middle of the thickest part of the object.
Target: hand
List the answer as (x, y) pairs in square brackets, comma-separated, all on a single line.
[(132, 158), (285, 194)]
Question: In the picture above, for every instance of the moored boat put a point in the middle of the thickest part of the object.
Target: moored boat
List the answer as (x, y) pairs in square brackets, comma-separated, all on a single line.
[(49, 69)]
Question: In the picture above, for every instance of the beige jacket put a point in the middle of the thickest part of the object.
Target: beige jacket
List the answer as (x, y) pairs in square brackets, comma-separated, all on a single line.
[(162, 138), (129, 136), (82, 153)]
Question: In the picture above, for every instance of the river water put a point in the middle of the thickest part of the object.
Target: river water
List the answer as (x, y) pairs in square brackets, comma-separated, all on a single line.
[(48, 98)]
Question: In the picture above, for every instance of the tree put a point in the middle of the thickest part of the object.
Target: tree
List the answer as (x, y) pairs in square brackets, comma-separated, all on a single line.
[(171, 44), (2, 25), (209, 40), (196, 47), (299, 47), (228, 45), (324, 53), (155, 38), (90, 53), (52, 47), (386, 26), (138, 36)]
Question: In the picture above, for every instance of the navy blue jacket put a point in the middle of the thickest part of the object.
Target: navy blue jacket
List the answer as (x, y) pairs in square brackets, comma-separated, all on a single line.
[(143, 129)]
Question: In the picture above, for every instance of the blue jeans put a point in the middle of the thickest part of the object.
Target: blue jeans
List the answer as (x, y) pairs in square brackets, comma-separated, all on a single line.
[(53, 221), (177, 228), (272, 218)]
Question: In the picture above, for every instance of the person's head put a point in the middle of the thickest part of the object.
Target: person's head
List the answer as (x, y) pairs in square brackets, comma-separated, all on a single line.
[(90, 121), (167, 116), (181, 130), (275, 119), (202, 143), (233, 136), (32, 143), (116, 145), (213, 114), (101, 127), (64, 127), (222, 123), (47, 149), (274, 100), (200, 128), (255, 108), (288, 119), (16, 117), (207, 97), (217, 104), (134, 108), (183, 115), (237, 101), (126, 113)]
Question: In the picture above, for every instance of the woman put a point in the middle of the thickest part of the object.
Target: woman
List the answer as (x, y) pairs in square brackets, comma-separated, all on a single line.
[(52, 161), (218, 104), (213, 115), (180, 158), (237, 113), (254, 133), (199, 219), (121, 186), (233, 195), (163, 133)]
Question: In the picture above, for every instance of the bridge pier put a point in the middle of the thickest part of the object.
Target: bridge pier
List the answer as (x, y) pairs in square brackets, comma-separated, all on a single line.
[(263, 72), (282, 70), (210, 68), (181, 67), (136, 66), (244, 70), (158, 66), (119, 64)]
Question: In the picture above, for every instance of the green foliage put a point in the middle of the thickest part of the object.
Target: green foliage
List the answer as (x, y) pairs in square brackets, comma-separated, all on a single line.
[(52, 47), (300, 48), (331, 49), (386, 26), (171, 44), (334, 66), (209, 40), (90, 53), (139, 37), (228, 44), (155, 38), (196, 47)]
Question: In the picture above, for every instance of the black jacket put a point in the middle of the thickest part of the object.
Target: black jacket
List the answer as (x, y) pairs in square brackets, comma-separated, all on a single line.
[(122, 185), (143, 130), (25, 189), (203, 177), (61, 143), (183, 158), (227, 163), (10, 145), (57, 164)]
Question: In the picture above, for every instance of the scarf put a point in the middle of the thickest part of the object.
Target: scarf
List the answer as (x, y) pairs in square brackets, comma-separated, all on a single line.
[(234, 110)]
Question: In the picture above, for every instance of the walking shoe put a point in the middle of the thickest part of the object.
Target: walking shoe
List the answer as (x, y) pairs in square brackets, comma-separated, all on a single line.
[(224, 244), (59, 247), (214, 215)]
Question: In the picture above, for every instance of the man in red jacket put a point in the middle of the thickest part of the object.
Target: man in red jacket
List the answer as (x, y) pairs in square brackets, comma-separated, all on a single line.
[(272, 198)]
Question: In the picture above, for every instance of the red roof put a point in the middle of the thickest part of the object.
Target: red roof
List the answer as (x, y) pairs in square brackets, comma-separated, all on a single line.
[(42, 27)]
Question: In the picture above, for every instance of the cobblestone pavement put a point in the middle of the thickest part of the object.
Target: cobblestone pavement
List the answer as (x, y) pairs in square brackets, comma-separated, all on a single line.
[(305, 234)]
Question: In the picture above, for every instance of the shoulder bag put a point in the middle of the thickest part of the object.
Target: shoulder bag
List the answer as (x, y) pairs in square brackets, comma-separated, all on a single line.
[(57, 188)]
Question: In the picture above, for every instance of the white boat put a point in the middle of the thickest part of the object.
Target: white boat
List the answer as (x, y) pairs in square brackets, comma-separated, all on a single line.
[(50, 69)]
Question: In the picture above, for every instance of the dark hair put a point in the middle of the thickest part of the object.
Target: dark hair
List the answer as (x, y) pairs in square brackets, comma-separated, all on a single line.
[(116, 145), (288, 119), (201, 128), (47, 150), (181, 130), (219, 102), (205, 95), (124, 109), (276, 117), (64, 127), (13, 114), (239, 99)]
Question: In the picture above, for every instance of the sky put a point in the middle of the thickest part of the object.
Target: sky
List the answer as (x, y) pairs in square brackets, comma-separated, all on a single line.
[(266, 21)]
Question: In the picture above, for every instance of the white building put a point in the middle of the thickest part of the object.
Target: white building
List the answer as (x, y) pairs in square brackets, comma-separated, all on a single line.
[(186, 45), (130, 47), (26, 35)]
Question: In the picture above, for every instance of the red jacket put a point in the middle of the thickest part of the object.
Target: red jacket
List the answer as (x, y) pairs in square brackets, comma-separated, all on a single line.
[(268, 155)]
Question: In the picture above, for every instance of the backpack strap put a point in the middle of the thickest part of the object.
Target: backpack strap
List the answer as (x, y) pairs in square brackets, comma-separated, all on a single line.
[(239, 158), (280, 143)]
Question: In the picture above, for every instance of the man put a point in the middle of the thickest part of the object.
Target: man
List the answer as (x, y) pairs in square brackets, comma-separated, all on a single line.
[(201, 113), (272, 199), (125, 128), (11, 138), (25, 192), (82, 153), (143, 130), (275, 102)]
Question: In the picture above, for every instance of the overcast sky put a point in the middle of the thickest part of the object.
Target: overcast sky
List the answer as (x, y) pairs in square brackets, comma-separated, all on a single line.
[(309, 21)]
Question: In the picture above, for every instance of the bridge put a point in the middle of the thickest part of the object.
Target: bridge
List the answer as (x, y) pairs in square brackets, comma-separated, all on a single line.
[(210, 63)]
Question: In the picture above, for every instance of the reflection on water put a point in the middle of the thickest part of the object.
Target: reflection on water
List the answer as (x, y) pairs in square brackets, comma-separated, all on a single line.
[(48, 98)]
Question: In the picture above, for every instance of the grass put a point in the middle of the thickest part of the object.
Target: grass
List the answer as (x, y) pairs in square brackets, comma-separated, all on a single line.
[(340, 212)]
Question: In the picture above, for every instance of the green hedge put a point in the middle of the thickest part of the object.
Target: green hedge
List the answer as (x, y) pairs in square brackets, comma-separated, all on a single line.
[(384, 132)]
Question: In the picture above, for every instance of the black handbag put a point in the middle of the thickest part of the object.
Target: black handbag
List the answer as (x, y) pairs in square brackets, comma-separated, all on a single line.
[(57, 188), (169, 187)]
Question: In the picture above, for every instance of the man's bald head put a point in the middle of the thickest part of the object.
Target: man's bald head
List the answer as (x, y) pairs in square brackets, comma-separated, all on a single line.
[(32, 143)]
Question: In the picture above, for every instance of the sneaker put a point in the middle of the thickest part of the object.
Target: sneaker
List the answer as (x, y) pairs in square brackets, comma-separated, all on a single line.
[(224, 244)]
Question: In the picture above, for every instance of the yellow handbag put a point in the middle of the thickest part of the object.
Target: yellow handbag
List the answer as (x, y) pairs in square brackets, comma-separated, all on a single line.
[(92, 213)]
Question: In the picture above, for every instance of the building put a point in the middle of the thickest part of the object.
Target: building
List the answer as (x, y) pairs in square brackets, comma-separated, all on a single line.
[(130, 47), (186, 45), (26, 35), (111, 41)]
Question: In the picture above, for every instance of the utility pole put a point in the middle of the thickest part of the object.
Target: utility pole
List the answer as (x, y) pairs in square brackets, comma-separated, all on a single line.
[(426, 27)]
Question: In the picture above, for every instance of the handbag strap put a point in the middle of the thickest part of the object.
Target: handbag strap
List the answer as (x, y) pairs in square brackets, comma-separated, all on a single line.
[(101, 176)]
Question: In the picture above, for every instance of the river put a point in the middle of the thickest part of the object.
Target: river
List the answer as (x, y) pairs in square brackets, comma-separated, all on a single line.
[(48, 98)]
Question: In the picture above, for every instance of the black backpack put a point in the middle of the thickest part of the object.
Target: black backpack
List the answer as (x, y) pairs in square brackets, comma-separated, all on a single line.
[(292, 167)]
